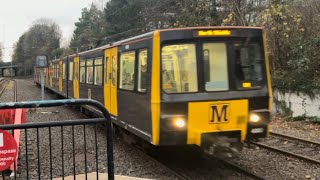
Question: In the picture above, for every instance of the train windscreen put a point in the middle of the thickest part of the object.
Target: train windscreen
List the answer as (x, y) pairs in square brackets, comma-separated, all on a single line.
[(180, 72)]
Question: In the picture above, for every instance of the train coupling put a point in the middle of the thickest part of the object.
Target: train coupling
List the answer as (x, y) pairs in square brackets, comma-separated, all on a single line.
[(221, 146)]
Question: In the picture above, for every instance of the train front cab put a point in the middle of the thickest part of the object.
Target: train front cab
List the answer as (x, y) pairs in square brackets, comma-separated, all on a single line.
[(213, 83)]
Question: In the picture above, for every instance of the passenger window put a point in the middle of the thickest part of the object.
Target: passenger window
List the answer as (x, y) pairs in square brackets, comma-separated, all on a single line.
[(106, 70), (70, 71), (89, 71), (83, 71), (64, 70), (142, 70), (114, 70), (54, 71), (98, 71), (179, 68), (127, 63), (57, 71)]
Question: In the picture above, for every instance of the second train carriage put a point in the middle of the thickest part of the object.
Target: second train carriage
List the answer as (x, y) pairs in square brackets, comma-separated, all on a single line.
[(195, 86)]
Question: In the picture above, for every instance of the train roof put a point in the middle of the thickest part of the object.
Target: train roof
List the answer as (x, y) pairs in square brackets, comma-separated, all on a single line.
[(149, 34)]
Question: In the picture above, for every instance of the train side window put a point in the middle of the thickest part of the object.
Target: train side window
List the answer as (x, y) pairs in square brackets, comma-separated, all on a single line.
[(114, 71), (57, 71), (64, 70), (127, 64), (216, 71), (53, 71), (83, 71), (142, 71), (98, 71), (70, 71), (106, 78), (90, 71)]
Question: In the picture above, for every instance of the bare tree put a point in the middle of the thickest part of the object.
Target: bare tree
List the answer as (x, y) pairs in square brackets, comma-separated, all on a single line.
[(42, 38)]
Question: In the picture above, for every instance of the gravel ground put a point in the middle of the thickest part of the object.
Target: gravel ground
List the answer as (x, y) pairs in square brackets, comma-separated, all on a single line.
[(128, 160), (276, 166), (8, 95), (302, 129)]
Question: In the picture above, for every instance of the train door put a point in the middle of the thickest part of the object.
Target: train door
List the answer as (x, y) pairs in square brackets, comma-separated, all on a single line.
[(50, 74), (60, 76), (76, 77), (46, 76), (110, 84)]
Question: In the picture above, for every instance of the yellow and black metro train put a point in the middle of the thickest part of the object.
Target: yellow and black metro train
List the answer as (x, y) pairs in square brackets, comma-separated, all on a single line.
[(187, 86)]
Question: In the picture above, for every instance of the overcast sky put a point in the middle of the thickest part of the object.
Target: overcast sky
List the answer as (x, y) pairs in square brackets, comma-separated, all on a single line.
[(16, 16)]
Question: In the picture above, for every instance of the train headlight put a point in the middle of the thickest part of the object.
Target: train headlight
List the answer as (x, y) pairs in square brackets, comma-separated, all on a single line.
[(254, 118), (179, 122)]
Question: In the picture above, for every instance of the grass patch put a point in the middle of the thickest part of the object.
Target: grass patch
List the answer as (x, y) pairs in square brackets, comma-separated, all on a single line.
[(314, 119)]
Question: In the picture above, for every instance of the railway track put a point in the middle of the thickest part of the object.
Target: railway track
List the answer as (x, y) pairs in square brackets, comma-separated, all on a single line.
[(3, 84), (292, 146), (198, 161), (243, 170)]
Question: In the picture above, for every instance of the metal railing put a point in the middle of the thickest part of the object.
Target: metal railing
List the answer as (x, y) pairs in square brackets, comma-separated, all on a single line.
[(67, 128)]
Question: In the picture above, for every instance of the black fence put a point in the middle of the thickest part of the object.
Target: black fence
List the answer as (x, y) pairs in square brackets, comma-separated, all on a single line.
[(57, 149)]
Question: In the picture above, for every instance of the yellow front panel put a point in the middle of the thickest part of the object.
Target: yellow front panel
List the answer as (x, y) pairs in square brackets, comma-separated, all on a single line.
[(107, 81), (60, 76), (114, 80), (51, 73), (155, 89), (216, 116), (76, 77), (268, 70)]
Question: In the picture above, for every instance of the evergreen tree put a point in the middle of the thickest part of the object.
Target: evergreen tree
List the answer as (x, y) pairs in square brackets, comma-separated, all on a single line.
[(89, 30), (123, 19)]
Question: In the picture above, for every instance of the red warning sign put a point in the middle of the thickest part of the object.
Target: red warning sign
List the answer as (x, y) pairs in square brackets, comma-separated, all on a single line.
[(8, 150)]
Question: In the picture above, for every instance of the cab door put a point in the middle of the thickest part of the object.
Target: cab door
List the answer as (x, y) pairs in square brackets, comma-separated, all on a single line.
[(60, 75), (110, 85), (76, 77), (50, 74)]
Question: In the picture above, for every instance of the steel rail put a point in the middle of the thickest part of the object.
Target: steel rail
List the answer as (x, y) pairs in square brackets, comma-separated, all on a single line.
[(4, 84), (15, 96), (294, 138), (171, 170), (286, 152), (227, 163), (242, 170)]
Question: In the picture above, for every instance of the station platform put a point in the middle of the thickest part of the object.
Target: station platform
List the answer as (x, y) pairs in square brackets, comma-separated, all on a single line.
[(101, 176)]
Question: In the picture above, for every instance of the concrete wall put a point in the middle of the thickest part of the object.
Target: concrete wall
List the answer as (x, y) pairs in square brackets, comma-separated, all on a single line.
[(297, 105)]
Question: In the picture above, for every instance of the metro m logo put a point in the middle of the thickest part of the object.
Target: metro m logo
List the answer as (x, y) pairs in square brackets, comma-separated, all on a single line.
[(219, 113)]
